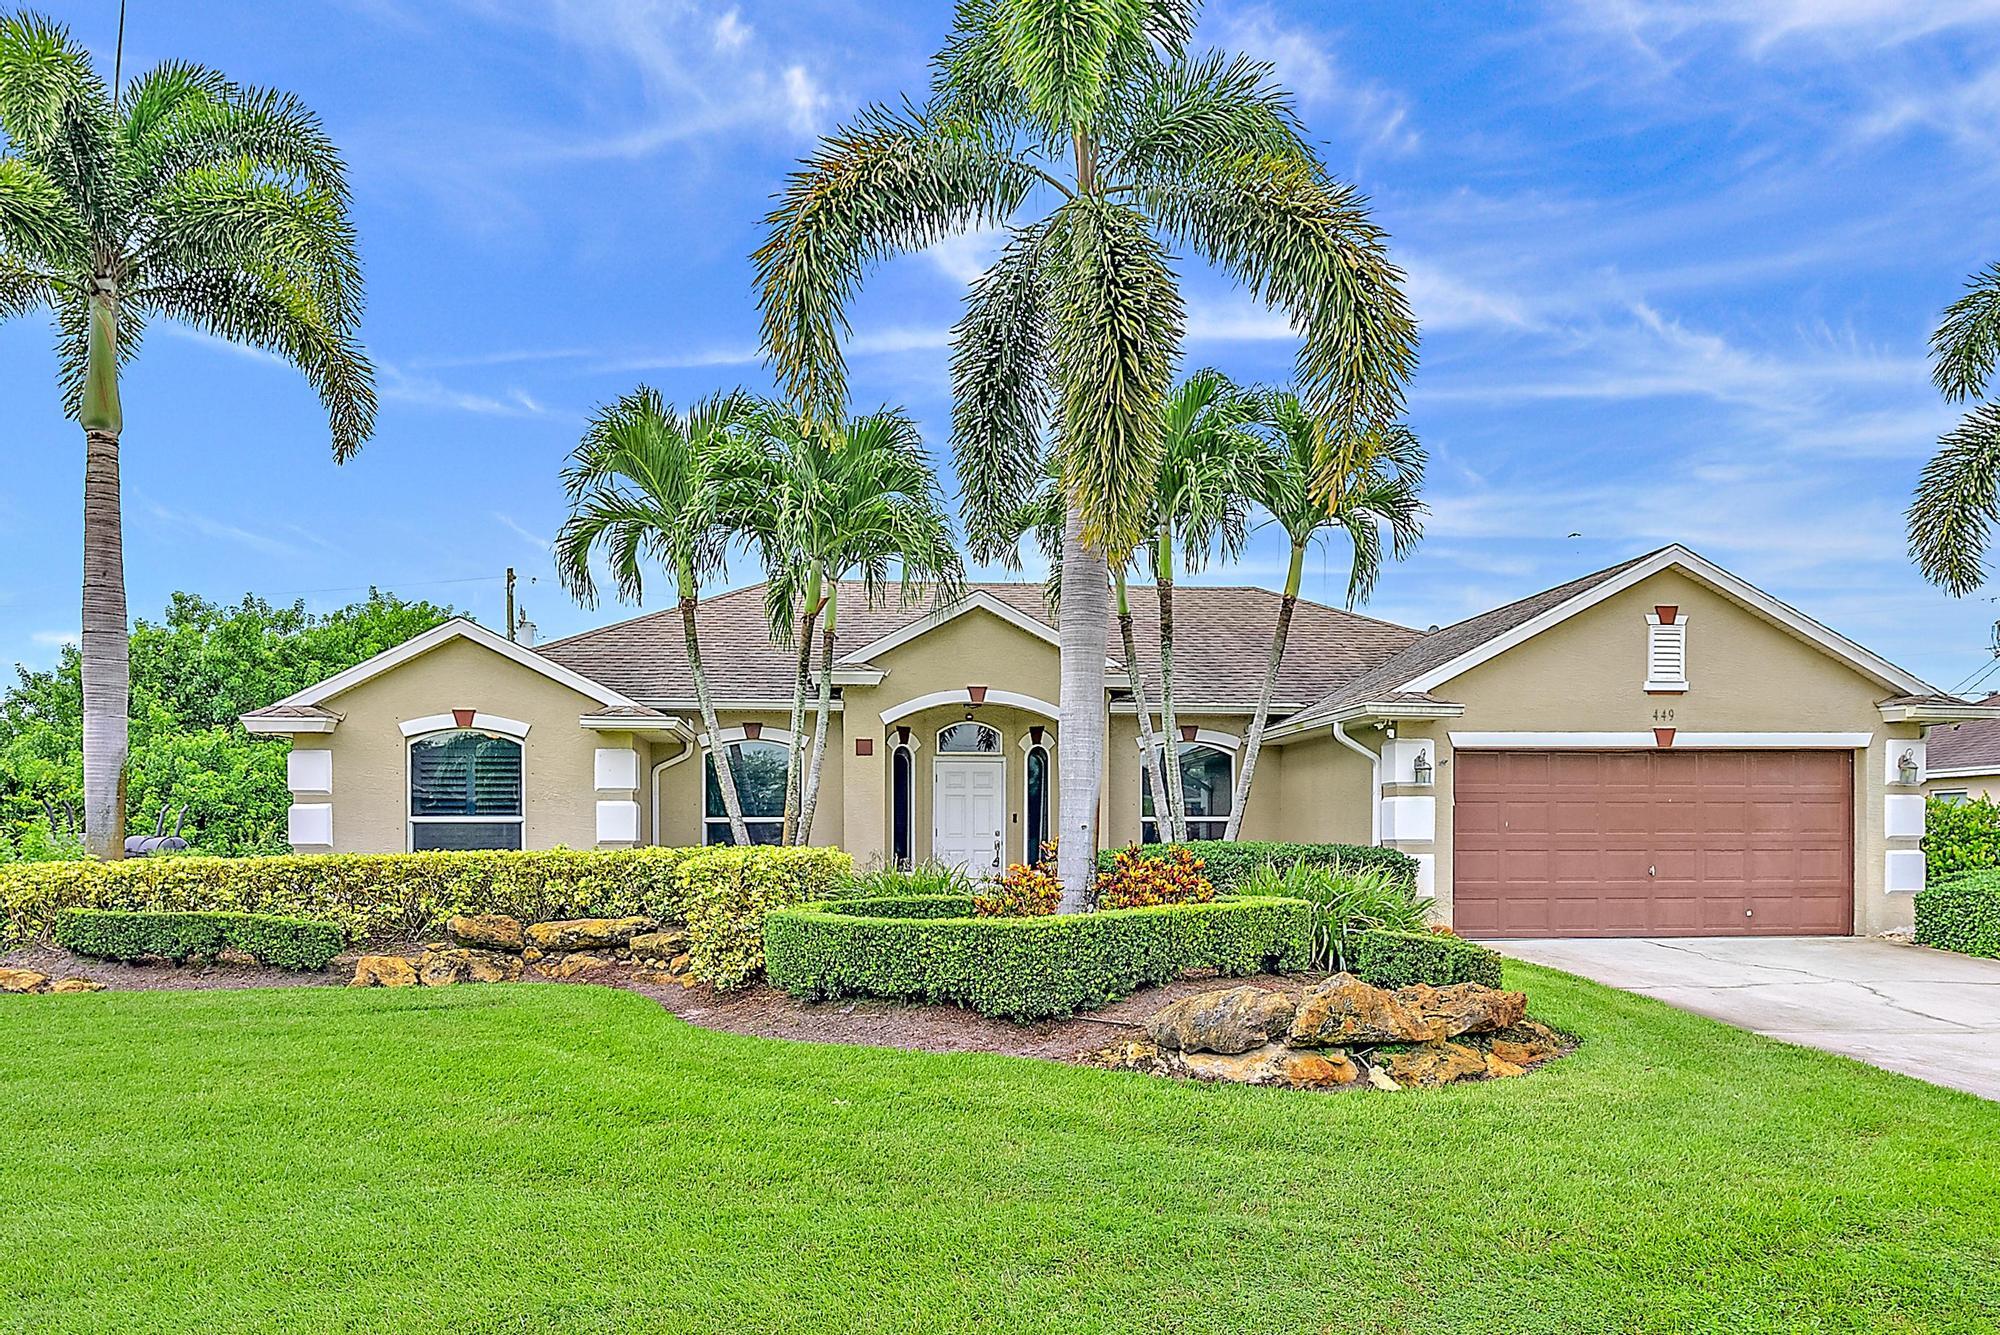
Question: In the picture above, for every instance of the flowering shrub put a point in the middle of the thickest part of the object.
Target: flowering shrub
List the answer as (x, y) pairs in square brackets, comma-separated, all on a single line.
[(1024, 892), (1138, 881)]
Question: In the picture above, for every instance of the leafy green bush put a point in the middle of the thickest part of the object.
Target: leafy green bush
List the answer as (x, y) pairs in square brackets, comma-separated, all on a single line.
[(1960, 837), (1961, 914), (931, 878), (931, 948), (1229, 864), (1399, 959), (1345, 904), (387, 896), (729, 892), (116, 934)]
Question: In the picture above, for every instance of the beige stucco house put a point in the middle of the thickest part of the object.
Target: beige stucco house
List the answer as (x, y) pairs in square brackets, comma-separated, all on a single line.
[(1965, 759), (1656, 748)]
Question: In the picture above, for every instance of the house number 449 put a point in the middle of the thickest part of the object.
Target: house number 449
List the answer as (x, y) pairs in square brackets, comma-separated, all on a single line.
[(1663, 716)]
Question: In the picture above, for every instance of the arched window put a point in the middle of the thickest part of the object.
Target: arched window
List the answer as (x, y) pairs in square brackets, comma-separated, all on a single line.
[(902, 806), (759, 771), (465, 791), (969, 739), (1208, 782), (1036, 815)]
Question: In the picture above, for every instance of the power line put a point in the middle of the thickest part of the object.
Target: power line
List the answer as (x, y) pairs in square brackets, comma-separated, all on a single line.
[(391, 585)]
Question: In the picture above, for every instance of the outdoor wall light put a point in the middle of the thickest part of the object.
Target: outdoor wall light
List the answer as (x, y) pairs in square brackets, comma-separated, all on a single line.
[(1906, 768), (1421, 770)]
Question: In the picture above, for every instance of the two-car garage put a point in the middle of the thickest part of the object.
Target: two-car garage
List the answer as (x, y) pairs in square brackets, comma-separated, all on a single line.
[(1659, 842)]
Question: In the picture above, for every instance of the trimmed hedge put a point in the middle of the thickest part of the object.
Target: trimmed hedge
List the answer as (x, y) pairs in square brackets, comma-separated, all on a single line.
[(1962, 914), (731, 891), (1230, 863), (384, 896), (1960, 837), (931, 948), (1399, 959), (115, 934)]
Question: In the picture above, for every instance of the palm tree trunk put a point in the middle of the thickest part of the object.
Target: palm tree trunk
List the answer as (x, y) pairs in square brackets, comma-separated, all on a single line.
[(1147, 743), (107, 650), (1169, 725), (811, 801), (1081, 627), (794, 763), (725, 773), (1255, 743)]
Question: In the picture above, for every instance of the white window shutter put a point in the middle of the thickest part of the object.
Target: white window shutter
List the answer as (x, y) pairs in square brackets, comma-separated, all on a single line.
[(1666, 654)]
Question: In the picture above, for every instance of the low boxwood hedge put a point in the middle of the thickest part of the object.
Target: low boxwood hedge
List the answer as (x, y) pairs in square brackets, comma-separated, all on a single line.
[(114, 934), (1961, 914), (931, 948), (1399, 959), (1231, 862), (394, 896)]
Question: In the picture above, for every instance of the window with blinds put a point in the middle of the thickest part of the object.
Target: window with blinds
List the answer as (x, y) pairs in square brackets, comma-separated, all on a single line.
[(1666, 653), (465, 791)]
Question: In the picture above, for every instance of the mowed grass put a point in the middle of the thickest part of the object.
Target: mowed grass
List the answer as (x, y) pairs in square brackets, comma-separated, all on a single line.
[(539, 1158)]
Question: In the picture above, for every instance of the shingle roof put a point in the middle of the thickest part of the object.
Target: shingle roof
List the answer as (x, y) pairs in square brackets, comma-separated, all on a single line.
[(1222, 642), (1439, 647), (1974, 745), (291, 712)]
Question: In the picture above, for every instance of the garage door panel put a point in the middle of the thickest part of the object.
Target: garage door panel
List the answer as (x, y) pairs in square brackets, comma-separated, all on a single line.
[(1653, 842)]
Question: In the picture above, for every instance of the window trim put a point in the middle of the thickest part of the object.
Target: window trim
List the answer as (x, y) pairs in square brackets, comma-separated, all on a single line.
[(780, 737), (999, 751), (1229, 753), (903, 754), (410, 822), (1029, 853), (1658, 630)]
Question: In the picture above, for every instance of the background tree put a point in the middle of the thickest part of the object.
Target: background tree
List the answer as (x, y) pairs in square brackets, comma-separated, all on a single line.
[(649, 482), (193, 673), (1099, 112), (182, 196), (1958, 496), (1379, 484)]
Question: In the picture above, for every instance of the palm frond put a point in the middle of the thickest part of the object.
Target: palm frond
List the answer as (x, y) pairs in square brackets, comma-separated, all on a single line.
[(1951, 516), (25, 288), (1967, 342), (1190, 111), (1062, 53), (184, 118), (36, 225), (43, 72), (1001, 392)]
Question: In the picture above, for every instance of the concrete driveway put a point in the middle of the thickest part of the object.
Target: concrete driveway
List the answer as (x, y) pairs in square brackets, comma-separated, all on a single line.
[(1926, 1013)]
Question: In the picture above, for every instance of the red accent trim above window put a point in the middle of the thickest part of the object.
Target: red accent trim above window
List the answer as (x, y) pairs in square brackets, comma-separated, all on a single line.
[(1189, 732), (1035, 731), (1667, 612), (463, 717), (864, 746), (752, 731), (977, 694), (902, 736), (1663, 737)]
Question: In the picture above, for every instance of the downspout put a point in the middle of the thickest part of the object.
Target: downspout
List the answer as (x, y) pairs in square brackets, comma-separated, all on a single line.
[(1374, 781)]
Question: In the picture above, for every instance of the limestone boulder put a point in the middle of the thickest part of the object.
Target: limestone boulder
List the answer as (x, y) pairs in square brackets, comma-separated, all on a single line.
[(1234, 1019), (384, 971), (22, 980), (569, 966), (1343, 1011), (586, 933), (1272, 1064), (661, 945), (1465, 1008), (1136, 1055), (487, 931), (462, 964), (1499, 1068), (1437, 1063), (1527, 1043), (69, 986)]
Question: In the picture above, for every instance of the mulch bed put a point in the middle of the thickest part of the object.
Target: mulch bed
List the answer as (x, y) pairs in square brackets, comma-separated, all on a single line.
[(760, 1011)]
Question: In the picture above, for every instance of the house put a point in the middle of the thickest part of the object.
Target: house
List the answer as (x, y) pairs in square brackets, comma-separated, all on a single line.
[(1965, 759), (1657, 747)]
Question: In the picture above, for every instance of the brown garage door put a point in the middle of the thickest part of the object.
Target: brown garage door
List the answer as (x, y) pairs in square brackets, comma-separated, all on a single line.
[(1641, 843)]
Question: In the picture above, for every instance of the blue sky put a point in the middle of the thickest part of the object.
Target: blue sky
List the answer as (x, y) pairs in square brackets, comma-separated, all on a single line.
[(1676, 262)]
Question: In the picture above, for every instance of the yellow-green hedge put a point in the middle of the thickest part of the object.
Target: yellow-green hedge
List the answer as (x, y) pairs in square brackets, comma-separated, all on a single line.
[(394, 896)]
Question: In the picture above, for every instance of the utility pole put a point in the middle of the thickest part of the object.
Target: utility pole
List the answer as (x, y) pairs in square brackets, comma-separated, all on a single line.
[(510, 602)]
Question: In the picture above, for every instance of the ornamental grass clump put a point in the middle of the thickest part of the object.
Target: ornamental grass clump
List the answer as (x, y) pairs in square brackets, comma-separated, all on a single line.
[(1345, 904), (1138, 880)]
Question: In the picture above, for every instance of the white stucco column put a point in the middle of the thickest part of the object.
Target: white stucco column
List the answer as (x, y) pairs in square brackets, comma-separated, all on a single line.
[(1407, 804), (309, 819), (617, 780), (1903, 816)]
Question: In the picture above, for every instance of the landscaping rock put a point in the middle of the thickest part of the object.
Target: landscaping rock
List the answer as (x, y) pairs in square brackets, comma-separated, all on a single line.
[(384, 971), (1499, 1068), (487, 931), (1235, 1019), (1135, 1055), (662, 945), (440, 968), (1272, 1064), (1344, 1010), (586, 933), (69, 986), (22, 980), (1527, 1043), (1432, 1064), (679, 964), (569, 966), (1465, 1008), (1379, 1079)]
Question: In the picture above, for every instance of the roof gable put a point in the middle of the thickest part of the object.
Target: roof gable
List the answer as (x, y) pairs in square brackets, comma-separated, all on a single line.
[(977, 600)]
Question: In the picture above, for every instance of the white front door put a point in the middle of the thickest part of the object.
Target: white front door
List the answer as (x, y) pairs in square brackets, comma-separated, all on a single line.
[(968, 812)]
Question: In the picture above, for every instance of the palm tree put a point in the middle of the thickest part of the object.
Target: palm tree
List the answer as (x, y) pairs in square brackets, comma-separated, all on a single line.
[(181, 196), (857, 500), (1208, 455), (1380, 483), (1958, 497), (648, 481), (1100, 112)]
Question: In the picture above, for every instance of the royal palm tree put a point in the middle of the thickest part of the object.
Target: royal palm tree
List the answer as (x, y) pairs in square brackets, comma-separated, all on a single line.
[(1208, 456), (181, 196), (1124, 143), (1958, 497), (649, 482), (856, 499), (1379, 484)]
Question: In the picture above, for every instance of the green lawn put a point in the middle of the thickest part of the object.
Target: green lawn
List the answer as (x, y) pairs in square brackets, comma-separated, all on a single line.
[(567, 1158)]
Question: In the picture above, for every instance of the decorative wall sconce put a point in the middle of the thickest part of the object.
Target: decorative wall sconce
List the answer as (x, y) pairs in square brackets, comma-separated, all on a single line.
[(1421, 770), (1906, 767)]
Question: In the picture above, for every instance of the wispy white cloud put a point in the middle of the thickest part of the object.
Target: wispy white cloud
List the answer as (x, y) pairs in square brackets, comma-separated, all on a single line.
[(523, 532), (1375, 116), (183, 521), (428, 392)]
